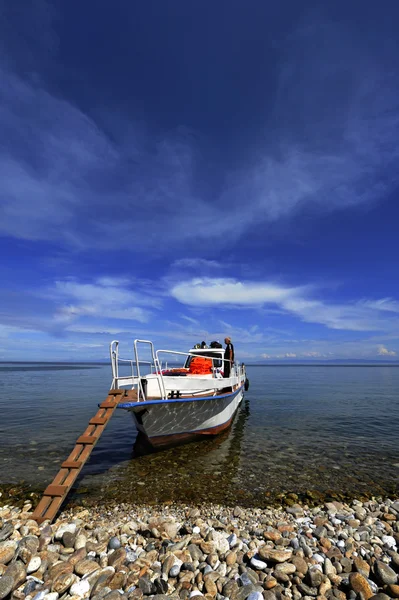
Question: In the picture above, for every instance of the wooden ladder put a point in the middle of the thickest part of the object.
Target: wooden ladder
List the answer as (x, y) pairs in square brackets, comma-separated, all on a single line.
[(56, 492)]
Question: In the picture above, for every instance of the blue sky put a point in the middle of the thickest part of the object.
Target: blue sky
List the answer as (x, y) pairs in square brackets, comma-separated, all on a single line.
[(188, 170)]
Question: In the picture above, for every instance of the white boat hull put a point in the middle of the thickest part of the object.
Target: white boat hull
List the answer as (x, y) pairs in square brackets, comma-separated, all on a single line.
[(165, 422)]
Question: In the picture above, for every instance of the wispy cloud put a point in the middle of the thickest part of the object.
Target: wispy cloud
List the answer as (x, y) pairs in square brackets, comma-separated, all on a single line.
[(356, 316), (64, 178), (106, 298)]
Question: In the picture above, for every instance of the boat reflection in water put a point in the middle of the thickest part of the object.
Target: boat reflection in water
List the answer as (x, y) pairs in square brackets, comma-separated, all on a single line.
[(205, 471), (228, 441)]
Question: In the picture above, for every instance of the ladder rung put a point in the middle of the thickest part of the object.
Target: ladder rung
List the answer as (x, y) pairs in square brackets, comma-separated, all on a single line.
[(86, 439), (55, 493), (55, 490), (71, 464), (98, 421)]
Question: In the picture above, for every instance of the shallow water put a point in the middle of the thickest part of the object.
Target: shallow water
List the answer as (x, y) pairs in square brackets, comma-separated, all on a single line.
[(300, 428)]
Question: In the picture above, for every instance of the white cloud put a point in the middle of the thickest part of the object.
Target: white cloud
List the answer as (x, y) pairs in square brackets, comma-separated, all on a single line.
[(265, 356), (287, 355), (383, 351), (106, 298), (212, 292), (356, 316)]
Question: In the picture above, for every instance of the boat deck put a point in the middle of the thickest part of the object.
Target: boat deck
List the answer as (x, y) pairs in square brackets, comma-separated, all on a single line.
[(132, 396)]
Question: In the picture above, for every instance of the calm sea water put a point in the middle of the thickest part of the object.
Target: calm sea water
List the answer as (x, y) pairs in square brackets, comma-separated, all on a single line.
[(299, 429)]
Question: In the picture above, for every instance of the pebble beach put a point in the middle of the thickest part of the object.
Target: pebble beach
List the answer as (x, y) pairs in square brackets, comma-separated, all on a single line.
[(332, 550)]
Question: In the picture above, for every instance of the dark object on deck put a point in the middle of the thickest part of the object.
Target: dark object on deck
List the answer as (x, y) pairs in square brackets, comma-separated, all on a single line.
[(215, 345)]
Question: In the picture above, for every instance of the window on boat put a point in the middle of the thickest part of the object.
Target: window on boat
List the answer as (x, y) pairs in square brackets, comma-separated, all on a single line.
[(216, 356)]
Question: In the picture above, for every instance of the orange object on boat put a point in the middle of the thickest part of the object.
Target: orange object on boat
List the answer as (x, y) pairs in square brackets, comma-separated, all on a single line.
[(200, 366)]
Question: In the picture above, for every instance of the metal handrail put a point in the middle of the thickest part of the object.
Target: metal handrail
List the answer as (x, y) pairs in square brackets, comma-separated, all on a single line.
[(212, 358), (157, 365)]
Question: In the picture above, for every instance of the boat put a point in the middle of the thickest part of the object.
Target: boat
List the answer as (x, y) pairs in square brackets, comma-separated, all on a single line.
[(179, 404)]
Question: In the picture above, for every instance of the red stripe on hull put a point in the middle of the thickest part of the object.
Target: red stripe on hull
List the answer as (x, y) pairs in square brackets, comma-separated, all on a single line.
[(181, 438)]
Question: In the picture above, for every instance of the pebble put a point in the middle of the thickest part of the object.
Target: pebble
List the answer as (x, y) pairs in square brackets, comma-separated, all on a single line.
[(174, 571), (384, 573), (333, 551), (34, 564), (114, 543), (80, 588), (258, 564), (6, 585), (6, 531)]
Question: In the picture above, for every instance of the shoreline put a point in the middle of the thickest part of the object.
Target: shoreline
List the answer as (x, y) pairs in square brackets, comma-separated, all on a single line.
[(332, 550)]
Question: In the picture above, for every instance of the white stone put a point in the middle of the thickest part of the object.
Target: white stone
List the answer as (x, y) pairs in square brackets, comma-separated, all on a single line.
[(195, 593), (70, 527), (196, 529), (51, 596), (255, 596), (389, 541), (232, 539), (40, 595), (80, 588), (34, 564), (320, 559), (258, 564)]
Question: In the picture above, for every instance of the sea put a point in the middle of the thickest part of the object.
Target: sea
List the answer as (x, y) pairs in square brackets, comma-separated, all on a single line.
[(308, 431)]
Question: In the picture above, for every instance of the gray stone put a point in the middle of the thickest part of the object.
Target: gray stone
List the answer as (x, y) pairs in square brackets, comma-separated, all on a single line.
[(175, 570), (6, 531), (6, 586), (195, 552), (384, 573), (17, 571), (244, 592), (314, 576), (245, 579), (380, 596), (114, 543), (269, 595), (320, 532), (131, 556), (113, 595), (68, 539), (306, 590), (146, 586), (30, 587), (161, 586)]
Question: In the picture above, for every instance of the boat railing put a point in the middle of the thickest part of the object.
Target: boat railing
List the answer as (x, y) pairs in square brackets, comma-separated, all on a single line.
[(236, 369), (135, 378), (157, 365)]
